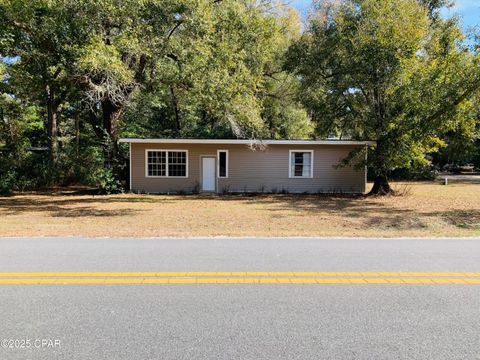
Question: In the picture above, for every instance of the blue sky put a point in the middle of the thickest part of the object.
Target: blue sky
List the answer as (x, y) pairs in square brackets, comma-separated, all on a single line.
[(468, 10)]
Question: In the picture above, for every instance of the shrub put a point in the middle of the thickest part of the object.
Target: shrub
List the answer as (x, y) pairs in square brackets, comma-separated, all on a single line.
[(7, 182), (196, 188), (106, 181)]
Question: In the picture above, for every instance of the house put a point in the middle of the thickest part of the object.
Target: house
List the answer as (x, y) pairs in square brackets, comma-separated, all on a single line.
[(219, 166)]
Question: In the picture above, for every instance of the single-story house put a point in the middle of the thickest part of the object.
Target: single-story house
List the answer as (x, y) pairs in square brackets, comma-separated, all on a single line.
[(220, 166)]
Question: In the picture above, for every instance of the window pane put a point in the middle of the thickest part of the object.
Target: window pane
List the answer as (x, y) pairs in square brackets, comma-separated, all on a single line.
[(222, 164), (298, 170), (306, 171), (177, 163), (298, 158), (156, 164), (176, 170), (307, 157), (301, 164)]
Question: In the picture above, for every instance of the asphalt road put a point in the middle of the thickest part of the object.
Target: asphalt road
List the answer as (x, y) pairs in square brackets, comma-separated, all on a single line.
[(239, 321)]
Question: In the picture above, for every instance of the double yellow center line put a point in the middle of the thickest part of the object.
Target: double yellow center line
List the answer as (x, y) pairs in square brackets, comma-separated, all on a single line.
[(127, 278)]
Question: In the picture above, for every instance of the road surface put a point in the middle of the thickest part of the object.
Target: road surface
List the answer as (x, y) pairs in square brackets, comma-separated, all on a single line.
[(281, 318)]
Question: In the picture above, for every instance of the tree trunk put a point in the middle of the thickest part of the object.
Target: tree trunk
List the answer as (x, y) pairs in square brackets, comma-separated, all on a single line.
[(111, 115), (52, 129), (178, 124), (381, 186), (77, 136)]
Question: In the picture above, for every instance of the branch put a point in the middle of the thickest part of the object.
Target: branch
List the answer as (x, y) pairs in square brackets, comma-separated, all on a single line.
[(466, 94), (175, 58), (179, 23)]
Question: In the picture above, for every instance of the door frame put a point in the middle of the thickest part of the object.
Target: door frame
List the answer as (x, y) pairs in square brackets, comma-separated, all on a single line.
[(214, 157)]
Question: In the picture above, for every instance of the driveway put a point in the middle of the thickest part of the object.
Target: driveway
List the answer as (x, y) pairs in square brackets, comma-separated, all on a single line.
[(465, 178)]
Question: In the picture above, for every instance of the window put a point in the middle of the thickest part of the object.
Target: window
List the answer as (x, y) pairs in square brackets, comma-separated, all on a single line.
[(177, 163), (167, 163), (222, 156), (301, 163), (157, 163)]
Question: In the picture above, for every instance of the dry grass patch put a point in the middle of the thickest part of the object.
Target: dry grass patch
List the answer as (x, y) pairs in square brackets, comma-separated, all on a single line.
[(425, 209)]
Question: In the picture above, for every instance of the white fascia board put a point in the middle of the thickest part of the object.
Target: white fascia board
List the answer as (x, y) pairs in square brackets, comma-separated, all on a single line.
[(245, 142)]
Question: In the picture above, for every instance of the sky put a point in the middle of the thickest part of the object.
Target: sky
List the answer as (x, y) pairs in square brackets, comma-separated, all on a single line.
[(468, 10)]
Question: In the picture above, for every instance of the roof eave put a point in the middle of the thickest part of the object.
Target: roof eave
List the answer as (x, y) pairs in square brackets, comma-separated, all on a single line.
[(245, 142)]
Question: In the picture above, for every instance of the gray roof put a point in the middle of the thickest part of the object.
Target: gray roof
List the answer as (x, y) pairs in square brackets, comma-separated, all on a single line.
[(246, 142)]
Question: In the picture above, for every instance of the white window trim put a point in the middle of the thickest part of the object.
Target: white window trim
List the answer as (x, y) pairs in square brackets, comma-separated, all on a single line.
[(226, 165), (166, 169), (291, 174)]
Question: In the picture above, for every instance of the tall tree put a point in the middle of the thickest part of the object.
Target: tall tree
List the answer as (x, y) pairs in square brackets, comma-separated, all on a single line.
[(118, 44), (283, 114), (384, 71), (223, 76), (198, 54), (35, 35)]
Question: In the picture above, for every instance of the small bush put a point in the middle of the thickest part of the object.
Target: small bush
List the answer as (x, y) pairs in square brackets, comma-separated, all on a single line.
[(106, 181), (196, 188), (402, 190), (7, 182)]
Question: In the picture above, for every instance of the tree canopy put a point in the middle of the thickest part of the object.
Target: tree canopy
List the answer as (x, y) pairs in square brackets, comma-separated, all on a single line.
[(386, 71), (78, 74)]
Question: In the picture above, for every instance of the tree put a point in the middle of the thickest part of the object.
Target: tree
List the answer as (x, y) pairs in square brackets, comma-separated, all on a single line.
[(92, 69), (434, 7), (462, 140), (117, 45), (223, 77), (283, 115), (16, 118), (203, 60), (35, 34), (384, 71), (19, 123)]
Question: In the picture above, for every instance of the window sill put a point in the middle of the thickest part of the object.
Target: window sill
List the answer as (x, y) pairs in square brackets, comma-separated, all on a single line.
[(166, 177)]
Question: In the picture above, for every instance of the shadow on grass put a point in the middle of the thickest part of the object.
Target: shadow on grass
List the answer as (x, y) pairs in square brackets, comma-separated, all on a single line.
[(61, 206), (465, 219), (90, 206), (368, 212)]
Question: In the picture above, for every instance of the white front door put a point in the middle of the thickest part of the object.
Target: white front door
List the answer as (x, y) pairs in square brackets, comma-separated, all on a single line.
[(208, 174)]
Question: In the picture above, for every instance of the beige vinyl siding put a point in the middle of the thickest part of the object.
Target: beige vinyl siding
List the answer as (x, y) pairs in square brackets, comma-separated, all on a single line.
[(140, 182), (254, 170)]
